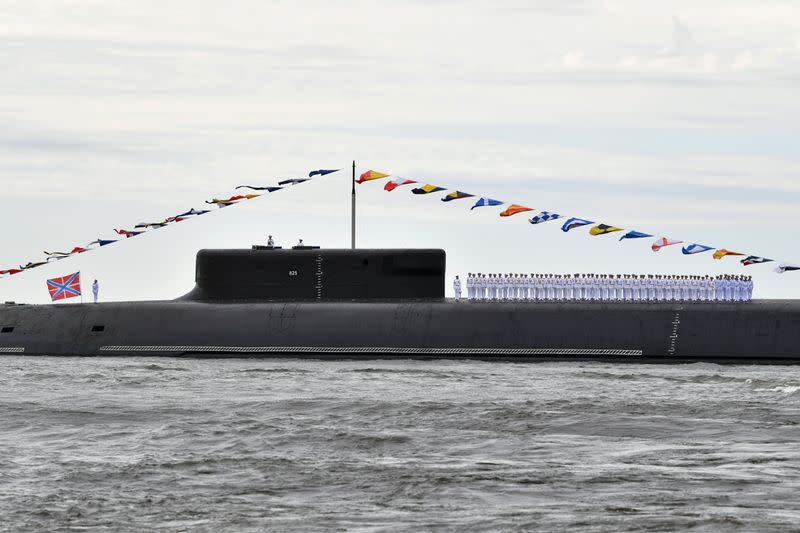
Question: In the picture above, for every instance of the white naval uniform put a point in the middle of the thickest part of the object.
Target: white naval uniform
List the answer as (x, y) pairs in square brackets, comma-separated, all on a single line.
[(457, 288)]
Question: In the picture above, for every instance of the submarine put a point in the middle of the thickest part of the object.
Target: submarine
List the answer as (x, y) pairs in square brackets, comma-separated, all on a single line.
[(308, 302)]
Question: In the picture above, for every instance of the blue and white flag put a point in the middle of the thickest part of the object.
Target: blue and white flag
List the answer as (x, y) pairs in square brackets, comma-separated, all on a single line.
[(696, 249), (321, 172), (294, 181), (573, 223), (635, 235), (786, 267), (145, 225), (486, 202), (193, 211), (268, 189), (101, 242), (544, 216)]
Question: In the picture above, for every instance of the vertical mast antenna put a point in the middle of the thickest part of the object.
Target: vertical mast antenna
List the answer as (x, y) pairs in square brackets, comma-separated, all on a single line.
[(353, 211)]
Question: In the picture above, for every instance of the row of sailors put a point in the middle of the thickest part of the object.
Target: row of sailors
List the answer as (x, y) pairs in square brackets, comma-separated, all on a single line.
[(630, 287)]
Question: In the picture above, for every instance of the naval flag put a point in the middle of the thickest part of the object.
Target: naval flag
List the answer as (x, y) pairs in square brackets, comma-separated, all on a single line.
[(64, 287), (695, 248), (513, 209), (322, 172), (573, 223), (370, 175), (128, 234), (456, 195), (226, 201), (394, 183), (268, 189), (662, 242), (482, 202), (101, 242), (635, 235), (544, 216), (754, 260), (602, 229), (722, 252), (786, 267), (427, 189), (293, 181)]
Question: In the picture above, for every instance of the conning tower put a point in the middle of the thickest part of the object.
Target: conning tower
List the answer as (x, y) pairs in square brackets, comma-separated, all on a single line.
[(311, 274)]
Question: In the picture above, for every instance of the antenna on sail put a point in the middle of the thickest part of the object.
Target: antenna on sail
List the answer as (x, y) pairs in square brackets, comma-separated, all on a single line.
[(353, 211)]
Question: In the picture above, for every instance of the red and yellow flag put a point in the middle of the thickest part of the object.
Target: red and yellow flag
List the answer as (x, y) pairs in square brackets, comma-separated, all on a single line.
[(722, 252), (514, 209), (370, 175), (427, 189)]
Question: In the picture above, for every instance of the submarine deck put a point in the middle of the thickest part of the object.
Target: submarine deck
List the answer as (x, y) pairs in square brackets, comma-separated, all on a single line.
[(758, 331)]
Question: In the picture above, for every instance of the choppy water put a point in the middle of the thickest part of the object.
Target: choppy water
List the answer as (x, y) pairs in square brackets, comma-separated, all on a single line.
[(247, 445)]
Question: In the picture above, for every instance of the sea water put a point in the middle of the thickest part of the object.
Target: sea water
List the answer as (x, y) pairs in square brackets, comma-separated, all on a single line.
[(135, 444)]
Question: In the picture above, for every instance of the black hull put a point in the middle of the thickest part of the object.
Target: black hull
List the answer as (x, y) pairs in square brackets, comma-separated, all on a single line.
[(765, 331)]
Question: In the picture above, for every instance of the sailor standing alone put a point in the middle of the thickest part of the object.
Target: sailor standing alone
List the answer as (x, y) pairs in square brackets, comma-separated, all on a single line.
[(95, 290), (457, 288)]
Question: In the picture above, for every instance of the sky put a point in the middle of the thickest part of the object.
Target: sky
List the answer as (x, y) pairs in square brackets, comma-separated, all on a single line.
[(675, 118)]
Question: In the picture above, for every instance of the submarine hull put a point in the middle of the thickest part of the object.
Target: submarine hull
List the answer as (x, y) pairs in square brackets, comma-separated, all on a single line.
[(761, 331)]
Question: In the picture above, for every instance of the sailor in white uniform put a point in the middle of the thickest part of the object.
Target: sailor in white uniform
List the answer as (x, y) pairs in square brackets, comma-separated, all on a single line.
[(457, 288)]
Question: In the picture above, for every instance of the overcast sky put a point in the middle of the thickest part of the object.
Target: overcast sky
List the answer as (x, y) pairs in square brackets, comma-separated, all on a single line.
[(671, 117)]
